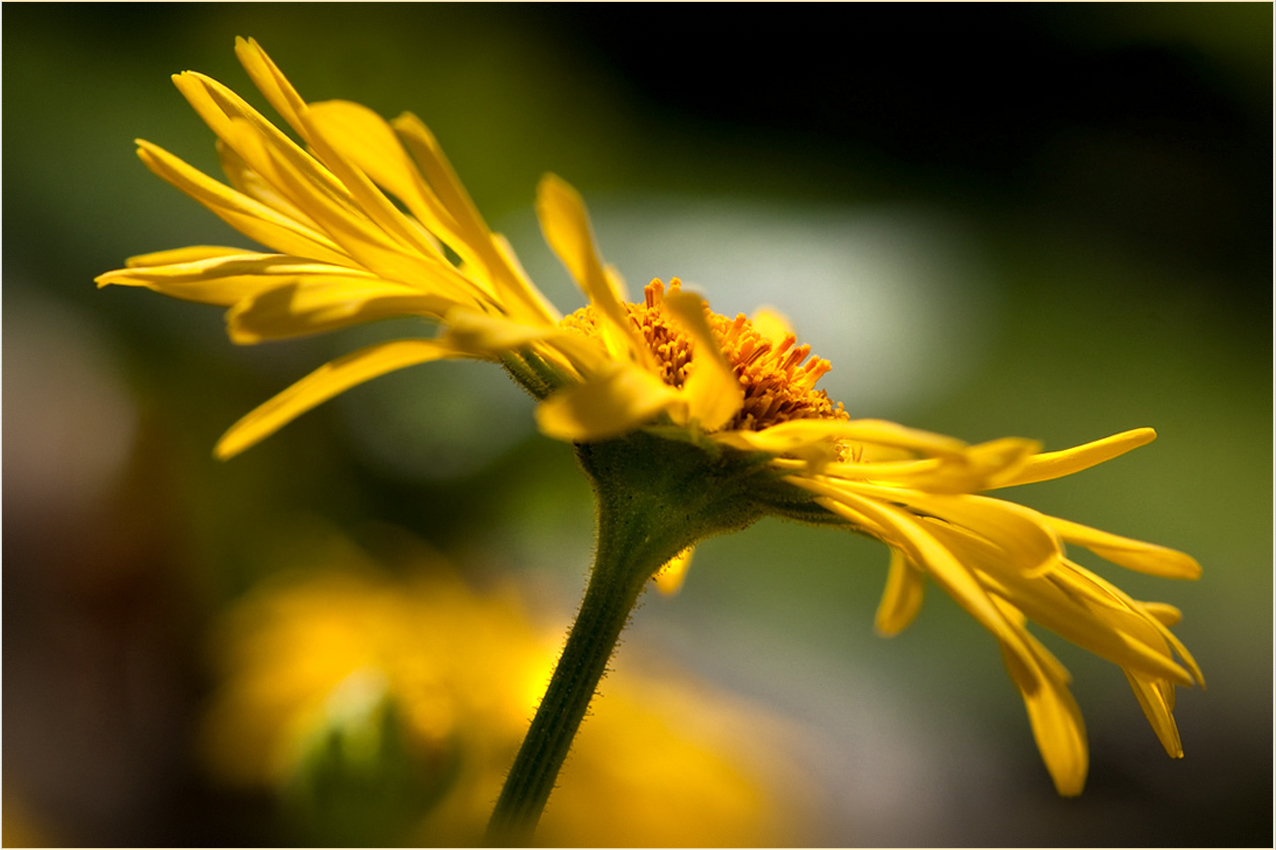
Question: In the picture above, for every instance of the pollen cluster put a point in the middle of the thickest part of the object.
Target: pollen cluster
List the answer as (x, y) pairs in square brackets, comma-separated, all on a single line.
[(778, 376)]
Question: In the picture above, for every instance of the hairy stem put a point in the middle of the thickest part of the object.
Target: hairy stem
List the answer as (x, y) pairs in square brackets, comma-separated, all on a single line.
[(608, 601), (655, 498)]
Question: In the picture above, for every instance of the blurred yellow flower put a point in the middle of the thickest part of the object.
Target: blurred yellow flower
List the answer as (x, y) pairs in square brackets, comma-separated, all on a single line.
[(22, 826), (666, 369), (324, 653)]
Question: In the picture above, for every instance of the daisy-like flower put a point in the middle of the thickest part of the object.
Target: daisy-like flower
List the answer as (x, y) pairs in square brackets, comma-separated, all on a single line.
[(688, 422)]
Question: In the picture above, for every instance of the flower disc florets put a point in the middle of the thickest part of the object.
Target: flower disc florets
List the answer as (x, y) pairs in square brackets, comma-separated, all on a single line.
[(778, 377)]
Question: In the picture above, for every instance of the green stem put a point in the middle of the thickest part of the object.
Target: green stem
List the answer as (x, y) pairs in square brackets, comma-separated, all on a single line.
[(609, 599), (656, 496)]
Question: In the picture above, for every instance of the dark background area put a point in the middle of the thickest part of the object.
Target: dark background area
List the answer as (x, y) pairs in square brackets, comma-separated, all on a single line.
[(1110, 165)]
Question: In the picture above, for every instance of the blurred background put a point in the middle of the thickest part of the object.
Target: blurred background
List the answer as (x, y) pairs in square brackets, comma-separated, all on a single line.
[(1050, 221)]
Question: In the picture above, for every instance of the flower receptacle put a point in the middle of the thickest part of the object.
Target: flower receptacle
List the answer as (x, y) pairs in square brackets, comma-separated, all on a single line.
[(657, 496)]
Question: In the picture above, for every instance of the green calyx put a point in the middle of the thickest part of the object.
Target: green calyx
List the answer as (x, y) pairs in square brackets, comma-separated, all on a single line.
[(659, 490), (657, 496), (679, 479), (531, 372)]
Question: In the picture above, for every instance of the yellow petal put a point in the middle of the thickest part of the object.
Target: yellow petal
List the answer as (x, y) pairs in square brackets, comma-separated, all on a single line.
[(309, 304), (566, 226), (999, 457), (815, 448), (903, 596), (271, 82), (670, 577), (190, 254), (250, 217), (1132, 554), (713, 392), (324, 383), (1158, 710), (883, 433), (233, 120), (1019, 532), (873, 431), (1163, 613), (904, 532), (273, 296), (1121, 637), (968, 472), (294, 177), (1157, 615), (370, 202), (364, 143), (219, 106), (252, 184), (816, 442), (606, 405), (1123, 640), (368, 141), (525, 301), (1048, 465), (1056, 721), (221, 279), (491, 336), (771, 323), (1177, 645), (920, 472), (455, 202), (377, 245)]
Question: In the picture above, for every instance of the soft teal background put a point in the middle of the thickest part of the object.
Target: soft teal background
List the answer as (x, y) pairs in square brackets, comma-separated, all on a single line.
[(1091, 264)]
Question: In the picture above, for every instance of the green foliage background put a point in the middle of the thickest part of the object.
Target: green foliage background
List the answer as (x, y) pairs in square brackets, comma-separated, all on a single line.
[(1109, 165)]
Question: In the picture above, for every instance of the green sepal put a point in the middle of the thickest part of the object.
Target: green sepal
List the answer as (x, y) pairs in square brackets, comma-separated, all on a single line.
[(534, 373)]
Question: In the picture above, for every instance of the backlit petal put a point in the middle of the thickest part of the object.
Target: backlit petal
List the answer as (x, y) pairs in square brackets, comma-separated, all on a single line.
[(490, 336), (271, 82), (252, 184), (1056, 720), (771, 323), (1163, 613), (713, 393), (250, 217), (1017, 530), (368, 242), (324, 383), (219, 278), (871, 431), (1048, 465), (1159, 712), (902, 598), (309, 304), (566, 226), (190, 254), (524, 299), (606, 405), (921, 547), (1129, 553)]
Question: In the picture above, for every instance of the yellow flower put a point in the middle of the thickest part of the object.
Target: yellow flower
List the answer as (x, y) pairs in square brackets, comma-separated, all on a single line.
[(667, 367), (327, 653)]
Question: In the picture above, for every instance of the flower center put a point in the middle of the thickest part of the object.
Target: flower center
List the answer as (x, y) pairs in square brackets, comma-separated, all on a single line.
[(778, 377)]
